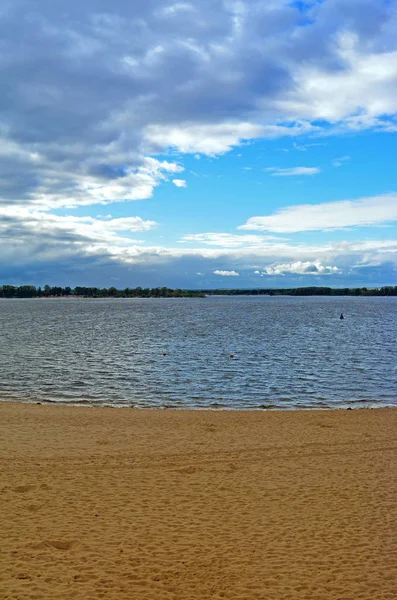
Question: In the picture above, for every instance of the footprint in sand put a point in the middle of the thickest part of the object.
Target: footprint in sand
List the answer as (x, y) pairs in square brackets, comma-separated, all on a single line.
[(22, 489), (57, 544), (187, 470), (33, 507)]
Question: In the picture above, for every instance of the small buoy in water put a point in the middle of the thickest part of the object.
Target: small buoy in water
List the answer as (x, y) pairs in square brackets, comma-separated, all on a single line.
[(341, 316), (231, 355), (164, 354)]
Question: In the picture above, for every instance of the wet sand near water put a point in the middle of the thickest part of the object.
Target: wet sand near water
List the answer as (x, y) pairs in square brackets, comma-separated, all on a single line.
[(185, 505)]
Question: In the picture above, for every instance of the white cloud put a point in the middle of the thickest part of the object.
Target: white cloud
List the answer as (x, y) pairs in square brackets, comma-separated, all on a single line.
[(74, 230), (218, 138), (300, 268), (181, 183), (228, 240), (293, 171), (350, 253), (172, 9), (202, 139), (338, 162), (375, 210), (304, 147), (124, 224), (365, 83), (81, 182), (226, 273)]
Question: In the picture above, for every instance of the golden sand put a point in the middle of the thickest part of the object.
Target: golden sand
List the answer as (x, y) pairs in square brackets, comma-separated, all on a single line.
[(185, 505)]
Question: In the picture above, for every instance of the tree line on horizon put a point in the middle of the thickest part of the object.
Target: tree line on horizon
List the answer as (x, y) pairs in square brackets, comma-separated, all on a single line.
[(387, 290), (30, 291)]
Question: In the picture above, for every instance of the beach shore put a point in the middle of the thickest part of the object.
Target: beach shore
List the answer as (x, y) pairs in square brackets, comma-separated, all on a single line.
[(185, 505)]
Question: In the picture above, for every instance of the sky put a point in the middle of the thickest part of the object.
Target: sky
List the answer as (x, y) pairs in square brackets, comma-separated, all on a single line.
[(202, 144)]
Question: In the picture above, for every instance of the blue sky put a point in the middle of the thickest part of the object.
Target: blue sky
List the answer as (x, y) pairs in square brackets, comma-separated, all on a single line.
[(206, 144)]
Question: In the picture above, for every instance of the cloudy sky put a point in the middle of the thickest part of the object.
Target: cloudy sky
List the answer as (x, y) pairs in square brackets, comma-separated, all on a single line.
[(201, 144)]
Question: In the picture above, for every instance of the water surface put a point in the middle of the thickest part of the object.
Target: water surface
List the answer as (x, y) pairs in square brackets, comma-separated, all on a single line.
[(288, 352)]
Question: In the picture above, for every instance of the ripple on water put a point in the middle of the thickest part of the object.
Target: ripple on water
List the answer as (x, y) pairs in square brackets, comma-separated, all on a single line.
[(287, 352)]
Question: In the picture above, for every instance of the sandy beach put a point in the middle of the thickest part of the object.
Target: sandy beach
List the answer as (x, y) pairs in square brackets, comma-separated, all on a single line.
[(183, 505)]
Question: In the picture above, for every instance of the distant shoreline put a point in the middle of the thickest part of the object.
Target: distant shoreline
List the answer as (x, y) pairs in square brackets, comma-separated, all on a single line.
[(206, 296), (51, 292)]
